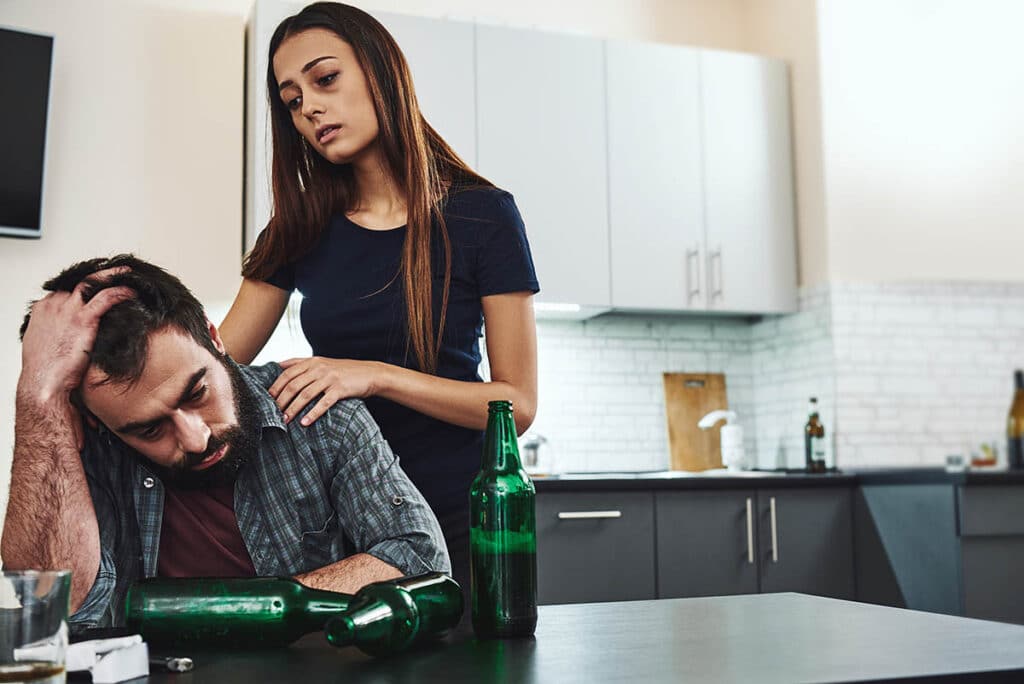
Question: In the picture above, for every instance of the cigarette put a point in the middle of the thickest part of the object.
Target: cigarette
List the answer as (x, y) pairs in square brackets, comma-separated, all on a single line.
[(173, 664)]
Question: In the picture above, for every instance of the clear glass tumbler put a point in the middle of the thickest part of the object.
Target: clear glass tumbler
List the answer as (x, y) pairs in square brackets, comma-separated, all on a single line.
[(34, 625)]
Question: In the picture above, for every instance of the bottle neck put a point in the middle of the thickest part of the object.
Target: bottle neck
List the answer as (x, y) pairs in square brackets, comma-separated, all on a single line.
[(812, 410), (319, 606), (501, 450), (1018, 381)]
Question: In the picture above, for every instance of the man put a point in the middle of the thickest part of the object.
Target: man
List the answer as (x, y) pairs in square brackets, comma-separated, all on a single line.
[(185, 466)]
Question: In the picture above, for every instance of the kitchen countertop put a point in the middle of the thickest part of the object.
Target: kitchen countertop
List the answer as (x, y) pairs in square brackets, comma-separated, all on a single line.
[(871, 476), (672, 479), (723, 479), (756, 638)]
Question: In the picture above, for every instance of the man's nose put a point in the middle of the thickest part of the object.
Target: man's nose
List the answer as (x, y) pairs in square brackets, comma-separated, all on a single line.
[(193, 433)]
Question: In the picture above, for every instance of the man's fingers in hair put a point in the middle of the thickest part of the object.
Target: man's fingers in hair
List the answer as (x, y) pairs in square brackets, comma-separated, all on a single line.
[(103, 300), (95, 281)]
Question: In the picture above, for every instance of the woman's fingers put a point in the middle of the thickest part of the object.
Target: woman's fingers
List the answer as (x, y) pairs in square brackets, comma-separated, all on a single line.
[(302, 399), (326, 402)]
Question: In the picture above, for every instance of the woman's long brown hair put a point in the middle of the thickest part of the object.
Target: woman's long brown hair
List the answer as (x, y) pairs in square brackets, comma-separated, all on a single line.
[(308, 189)]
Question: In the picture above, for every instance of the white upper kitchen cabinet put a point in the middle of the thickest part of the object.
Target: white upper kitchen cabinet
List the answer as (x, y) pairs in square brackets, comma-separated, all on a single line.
[(440, 57), (541, 136), (748, 184), (656, 178)]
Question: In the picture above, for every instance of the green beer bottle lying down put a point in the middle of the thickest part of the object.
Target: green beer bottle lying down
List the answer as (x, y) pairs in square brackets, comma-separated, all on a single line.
[(261, 612)]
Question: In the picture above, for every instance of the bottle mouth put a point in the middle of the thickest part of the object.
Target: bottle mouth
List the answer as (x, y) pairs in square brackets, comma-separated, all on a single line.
[(499, 405)]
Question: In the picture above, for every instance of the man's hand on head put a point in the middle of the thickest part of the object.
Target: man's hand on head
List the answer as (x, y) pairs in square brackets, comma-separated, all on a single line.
[(59, 338)]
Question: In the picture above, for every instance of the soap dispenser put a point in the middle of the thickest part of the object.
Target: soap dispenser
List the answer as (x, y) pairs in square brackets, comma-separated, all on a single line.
[(734, 457)]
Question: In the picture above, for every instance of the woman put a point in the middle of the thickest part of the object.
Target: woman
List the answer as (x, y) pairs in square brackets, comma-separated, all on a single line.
[(401, 252)]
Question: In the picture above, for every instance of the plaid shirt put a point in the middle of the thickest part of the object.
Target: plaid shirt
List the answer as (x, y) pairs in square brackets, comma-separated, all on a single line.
[(312, 496)]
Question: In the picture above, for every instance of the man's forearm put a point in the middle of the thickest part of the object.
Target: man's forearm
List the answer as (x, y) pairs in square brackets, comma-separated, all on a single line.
[(50, 522), (349, 575)]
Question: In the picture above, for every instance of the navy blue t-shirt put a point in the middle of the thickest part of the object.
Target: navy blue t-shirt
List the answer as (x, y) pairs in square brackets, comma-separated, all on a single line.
[(354, 308)]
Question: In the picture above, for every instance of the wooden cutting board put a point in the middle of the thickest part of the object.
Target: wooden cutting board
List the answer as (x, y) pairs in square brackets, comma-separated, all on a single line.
[(688, 398)]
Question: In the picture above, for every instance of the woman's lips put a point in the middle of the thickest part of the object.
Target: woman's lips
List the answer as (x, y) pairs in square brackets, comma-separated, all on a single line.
[(211, 459), (330, 133)]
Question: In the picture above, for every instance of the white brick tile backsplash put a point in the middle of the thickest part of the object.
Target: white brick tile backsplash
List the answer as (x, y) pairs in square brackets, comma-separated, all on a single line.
[(905, 374)]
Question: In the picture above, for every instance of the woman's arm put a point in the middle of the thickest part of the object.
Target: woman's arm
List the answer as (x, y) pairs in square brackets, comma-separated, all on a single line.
[(511, 353), (255, 313)]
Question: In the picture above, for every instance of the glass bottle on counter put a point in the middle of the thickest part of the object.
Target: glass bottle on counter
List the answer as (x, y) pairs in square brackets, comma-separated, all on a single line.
[(388, 617), (1015, 425), (245, 612), (502, 535), (814, 440)]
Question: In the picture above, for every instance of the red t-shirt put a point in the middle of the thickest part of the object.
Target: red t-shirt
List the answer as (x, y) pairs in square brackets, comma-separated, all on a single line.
[(199, 536)]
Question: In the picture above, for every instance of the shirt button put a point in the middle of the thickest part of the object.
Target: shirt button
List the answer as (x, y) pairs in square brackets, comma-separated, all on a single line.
[(397, 501), (149, 483)]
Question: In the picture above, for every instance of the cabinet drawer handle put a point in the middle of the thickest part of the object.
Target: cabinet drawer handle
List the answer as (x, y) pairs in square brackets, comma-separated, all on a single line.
[(588, 515), (750, 531), (775, 534)]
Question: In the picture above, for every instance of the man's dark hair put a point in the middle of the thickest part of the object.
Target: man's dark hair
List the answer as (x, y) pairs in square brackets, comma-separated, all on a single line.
[(160, 301)]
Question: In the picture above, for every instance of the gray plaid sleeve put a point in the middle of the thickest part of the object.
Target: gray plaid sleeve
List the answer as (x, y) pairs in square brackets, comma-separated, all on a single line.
[(94, 611), (388, 517)]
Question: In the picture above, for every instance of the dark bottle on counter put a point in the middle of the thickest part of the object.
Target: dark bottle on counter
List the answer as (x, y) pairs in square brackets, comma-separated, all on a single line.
[(388, 617), (245, 612), (814, 440), (502, 535), (1015, 425)]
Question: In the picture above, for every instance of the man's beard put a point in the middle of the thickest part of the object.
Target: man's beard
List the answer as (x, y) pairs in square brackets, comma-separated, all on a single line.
[(242, 440)]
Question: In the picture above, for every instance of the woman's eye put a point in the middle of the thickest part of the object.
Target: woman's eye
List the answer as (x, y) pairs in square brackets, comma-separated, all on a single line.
[(293, 103), (327, 80)]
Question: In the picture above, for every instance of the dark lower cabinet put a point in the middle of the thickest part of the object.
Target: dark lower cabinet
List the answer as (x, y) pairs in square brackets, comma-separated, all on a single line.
[(944, 548), (595, 546), (806, 541), (707, 543), (618, 546), (745, 541)]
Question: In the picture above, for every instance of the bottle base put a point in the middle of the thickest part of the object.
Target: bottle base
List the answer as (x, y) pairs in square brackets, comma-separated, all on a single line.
[(516, 628)]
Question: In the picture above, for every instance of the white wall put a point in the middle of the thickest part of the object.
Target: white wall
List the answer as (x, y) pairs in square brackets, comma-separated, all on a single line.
[(144, 154), (924, 162)]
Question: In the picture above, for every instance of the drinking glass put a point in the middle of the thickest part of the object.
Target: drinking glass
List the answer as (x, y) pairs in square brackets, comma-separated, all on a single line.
[(34, 625)]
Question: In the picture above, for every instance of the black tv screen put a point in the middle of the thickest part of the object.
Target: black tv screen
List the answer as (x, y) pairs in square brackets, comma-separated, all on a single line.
[(25, 65)]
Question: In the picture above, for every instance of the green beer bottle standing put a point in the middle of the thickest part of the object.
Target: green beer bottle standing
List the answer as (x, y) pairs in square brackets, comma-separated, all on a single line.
[(502, 535), (245, 612), (388, 617)]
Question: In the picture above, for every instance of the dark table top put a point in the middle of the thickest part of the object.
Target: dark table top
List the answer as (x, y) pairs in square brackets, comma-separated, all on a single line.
[(756, 638)]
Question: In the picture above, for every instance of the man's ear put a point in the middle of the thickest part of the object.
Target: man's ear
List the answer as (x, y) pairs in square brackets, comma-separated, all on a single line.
[(215, 336)]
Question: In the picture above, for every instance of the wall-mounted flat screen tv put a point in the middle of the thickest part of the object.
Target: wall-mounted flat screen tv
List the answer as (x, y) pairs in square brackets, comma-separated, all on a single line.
[(26, 61)]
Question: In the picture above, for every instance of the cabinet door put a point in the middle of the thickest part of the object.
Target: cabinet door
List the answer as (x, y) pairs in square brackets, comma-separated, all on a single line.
[(656, 183), (748, 183), (807, 541), (706, 543), (595, 547), (440, 56), (541, 136)]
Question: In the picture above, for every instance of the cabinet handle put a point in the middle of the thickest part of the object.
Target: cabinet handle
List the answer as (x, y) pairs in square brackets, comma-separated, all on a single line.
[(716, 283), (588, 515), (693, 272), (750, 531), (775, 534)]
